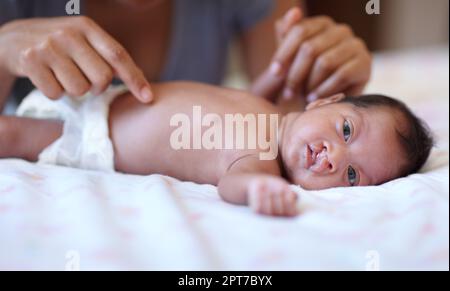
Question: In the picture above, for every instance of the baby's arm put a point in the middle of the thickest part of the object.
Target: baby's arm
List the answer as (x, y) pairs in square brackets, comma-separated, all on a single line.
[(26, 138), (258, 184)]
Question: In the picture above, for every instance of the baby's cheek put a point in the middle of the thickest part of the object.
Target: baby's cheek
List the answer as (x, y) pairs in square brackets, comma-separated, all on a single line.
[(301, 178), (310, 181)]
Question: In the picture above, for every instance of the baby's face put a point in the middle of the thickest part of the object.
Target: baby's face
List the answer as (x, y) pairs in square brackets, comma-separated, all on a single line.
[(341, 145)]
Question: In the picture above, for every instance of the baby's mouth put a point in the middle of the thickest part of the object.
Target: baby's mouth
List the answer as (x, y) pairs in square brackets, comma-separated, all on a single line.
[(310, 157), (316, 161)]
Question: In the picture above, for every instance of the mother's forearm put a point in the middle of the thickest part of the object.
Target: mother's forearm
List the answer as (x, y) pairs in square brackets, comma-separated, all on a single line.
[(6, 78), (6, 81)]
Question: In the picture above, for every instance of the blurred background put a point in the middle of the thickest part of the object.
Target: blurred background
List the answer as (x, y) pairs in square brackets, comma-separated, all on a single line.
[(401, 24)]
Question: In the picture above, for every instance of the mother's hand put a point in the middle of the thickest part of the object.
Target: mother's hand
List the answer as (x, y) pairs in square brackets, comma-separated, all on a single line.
[(315, 58), (68, 55)]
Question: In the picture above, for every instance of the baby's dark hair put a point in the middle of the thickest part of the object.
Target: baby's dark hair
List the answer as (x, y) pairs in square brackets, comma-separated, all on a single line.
[(415, 137)]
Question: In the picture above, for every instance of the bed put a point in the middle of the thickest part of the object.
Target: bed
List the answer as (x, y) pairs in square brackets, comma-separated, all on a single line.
[(54, 218)]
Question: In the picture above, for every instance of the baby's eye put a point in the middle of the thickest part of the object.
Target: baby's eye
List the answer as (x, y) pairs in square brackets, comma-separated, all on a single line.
[(347, 130), (352, 176)]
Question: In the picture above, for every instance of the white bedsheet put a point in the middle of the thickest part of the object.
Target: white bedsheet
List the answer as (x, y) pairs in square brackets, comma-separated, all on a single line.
[(59, 218)]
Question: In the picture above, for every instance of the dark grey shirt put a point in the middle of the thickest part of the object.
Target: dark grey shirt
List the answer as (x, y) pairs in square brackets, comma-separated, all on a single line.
[(202, 32)]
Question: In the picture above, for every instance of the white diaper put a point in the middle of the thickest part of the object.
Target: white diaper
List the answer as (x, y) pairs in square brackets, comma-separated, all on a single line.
[(85, 141)]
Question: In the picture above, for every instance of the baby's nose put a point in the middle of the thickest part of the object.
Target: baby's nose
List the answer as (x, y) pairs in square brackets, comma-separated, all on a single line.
[(336, 158)]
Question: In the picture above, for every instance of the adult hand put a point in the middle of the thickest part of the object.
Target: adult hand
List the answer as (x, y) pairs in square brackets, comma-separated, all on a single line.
[(315, 58), (71, 55)]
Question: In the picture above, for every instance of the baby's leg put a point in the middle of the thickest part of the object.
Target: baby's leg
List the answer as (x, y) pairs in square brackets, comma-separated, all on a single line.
[(26, 138)]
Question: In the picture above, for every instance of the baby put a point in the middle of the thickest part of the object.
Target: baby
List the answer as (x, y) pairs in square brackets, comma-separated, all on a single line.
[(337, 142)]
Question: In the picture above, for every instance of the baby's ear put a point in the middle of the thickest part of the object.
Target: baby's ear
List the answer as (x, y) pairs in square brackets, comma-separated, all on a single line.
[(326, 101)]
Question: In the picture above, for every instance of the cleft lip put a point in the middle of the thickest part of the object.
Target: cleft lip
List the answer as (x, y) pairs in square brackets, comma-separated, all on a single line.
[(320, 166), (316, 160), (309, 160)]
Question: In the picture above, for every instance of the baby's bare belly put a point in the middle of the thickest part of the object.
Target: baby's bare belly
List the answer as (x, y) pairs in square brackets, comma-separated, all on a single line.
[(141, 134)]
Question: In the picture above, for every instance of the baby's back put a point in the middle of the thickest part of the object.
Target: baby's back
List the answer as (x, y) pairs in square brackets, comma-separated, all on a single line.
[(167, 136)]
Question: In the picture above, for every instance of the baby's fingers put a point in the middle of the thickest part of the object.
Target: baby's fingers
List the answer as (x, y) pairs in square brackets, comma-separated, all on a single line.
[(263, 203), (267, 204), (290, 203), (278, 205), (257, 197), (254, 200)]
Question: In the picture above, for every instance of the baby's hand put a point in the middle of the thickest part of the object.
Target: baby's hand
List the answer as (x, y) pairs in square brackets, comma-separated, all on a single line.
[(272, 196)]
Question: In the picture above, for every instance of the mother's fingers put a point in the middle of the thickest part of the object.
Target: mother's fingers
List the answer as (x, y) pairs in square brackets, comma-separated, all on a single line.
[(119, 59), (269, 83), (355, 90), (43, 78), (66, 72), (284, 25), (94, 67), (353, 74), (297, 35), (330, 61), (309, 52)]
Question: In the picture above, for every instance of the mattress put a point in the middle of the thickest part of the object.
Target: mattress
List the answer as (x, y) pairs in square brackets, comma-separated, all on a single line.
[(54, 218)]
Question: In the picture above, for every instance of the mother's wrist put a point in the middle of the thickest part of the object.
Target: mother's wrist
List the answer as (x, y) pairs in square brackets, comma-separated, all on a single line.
[(6, 80), (5, 73), (4, 70)]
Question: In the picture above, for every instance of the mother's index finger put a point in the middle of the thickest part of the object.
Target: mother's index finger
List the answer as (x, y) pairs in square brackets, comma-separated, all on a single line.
[(122, 63)]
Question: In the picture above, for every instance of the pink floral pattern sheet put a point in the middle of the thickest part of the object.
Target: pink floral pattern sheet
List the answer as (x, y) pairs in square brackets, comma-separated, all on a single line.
[(68, 219)]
